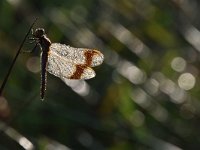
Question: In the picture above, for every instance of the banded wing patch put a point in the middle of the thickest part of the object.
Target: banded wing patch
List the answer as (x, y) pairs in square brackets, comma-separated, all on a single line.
[(66, 68), (79, 56)]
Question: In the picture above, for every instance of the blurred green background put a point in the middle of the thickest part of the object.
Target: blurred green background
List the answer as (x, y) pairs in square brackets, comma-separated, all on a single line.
[(145, 95)]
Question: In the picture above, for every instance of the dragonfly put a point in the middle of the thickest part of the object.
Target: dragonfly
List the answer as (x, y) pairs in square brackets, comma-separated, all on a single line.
[(64, 61)]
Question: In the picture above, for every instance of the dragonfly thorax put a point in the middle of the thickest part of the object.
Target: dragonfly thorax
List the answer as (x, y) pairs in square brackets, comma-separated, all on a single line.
[(41, 39)]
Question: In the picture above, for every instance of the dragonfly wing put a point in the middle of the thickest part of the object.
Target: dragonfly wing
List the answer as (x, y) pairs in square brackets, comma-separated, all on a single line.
[(85, 56), (66, 69)]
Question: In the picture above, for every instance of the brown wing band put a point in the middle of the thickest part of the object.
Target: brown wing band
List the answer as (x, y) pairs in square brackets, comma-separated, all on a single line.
[(79, 71), (80, 68), (88, 56)]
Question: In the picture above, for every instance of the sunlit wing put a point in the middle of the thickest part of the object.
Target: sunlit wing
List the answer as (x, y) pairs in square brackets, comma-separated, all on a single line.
[(65, 68), (84, 56)]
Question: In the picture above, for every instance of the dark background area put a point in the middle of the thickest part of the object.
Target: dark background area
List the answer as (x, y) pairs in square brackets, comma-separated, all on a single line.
[(145, 95)]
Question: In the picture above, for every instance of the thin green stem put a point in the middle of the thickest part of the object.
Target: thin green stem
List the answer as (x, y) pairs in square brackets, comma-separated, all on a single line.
[(15, 58)]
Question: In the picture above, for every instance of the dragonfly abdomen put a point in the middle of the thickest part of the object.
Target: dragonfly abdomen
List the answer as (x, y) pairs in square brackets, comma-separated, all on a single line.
[(44, 59)]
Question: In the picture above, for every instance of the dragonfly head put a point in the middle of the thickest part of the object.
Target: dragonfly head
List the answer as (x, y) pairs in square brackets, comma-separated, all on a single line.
[(39, 32)]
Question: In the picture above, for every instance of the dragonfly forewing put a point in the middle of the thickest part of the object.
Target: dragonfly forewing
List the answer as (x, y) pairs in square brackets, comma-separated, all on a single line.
[(85, 56)]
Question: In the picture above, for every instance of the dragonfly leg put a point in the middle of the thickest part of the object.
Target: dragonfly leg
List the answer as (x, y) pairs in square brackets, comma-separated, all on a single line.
[(31, 51)]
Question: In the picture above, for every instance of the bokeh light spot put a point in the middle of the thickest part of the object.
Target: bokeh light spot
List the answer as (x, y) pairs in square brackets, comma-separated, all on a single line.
[(178, 64), (186, 81), (33, 64)]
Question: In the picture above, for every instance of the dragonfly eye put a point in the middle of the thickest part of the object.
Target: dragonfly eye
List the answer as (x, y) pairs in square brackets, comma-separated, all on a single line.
[(39, 32)]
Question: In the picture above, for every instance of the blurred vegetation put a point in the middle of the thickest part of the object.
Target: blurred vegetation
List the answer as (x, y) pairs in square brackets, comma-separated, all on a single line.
[(145, 95)]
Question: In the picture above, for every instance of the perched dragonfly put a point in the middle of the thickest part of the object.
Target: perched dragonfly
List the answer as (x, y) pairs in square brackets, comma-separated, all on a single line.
[(64, 61)]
